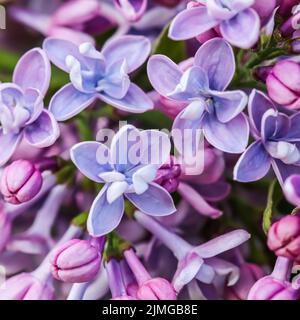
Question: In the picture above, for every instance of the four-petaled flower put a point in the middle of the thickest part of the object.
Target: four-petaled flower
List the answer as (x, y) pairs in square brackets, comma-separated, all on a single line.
[(277, 142), (238, 23), (217, 112), (98, 75), (22, 113), (126, 170)]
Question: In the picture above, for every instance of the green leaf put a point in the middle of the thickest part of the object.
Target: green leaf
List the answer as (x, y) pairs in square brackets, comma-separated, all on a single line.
[(152, 119), (269, 210), (175, 50), (80, 220)]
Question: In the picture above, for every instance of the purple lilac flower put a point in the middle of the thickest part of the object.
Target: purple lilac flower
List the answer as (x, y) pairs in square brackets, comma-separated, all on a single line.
[(132, 10), (98, 75), (197, 262), (124, 176), (239, 24), (276, 143), (217, 112), (22, 113)]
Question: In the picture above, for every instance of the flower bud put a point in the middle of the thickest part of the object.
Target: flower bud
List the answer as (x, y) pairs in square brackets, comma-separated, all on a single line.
[(284, 237), (156, 289), (167, 3), (75, 261), (20, 182), (249, 274), (269, 288), (264, 9), (168, 175), (291, 189), (286, 6), (283, 84), (26, 286)]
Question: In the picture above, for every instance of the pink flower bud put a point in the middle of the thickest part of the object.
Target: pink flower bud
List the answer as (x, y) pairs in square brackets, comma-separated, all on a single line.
[(168, 3), (249, 274), (168, 175), (286, 6), (156, 289), (20, 182), (284, 237), (283, 84), (269, 288), (26, 286), (264, 9), (75, 261)]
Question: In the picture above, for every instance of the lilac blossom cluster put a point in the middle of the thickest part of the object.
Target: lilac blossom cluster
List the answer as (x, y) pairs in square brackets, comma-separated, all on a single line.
[(150, 150)]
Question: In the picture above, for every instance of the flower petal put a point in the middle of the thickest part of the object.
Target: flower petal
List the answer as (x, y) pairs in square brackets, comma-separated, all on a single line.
[(231, 137), (258, 104), (57, 51), (8, 143), (43, 132), (135, 100), (216, 58), (291, 189), (104, 217), (125, 148), (190, 23), (197, 201), (132, 10), (253, 165), (163, 74), (92, 159), (135, 49), (222, 243), (242, 30), (33, 71), (155, 201), (229, 104), (187, 270), (283, 171), (68, 101)]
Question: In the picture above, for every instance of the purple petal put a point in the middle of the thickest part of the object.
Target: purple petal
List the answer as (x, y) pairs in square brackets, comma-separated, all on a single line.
[(229, 104), (294, 130), (242, 30), (193, 81), (291, 189), (92, 159), (68, 101), (187, 270), (33, 71), (163, 74), (57, 51), (156, 201), (258, 104), (125, 148), (222, 243), (269, 124), (43, 132), (132, 10), (217, 59), (104, 217), (253, 165), (197, 201), (8, 143), (215, 191), (190, 23), (283, 171), (135, 100), (231, 137), (135, 49)]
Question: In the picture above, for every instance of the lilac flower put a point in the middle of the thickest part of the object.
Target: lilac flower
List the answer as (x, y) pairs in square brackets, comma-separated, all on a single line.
[(124, 176), (277, 142), (239, 24), (22, 113), (98, 75), (197, 262), (217, 112)]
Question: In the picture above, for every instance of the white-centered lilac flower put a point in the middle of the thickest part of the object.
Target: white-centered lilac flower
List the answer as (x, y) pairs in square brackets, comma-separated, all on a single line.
[(277, 142), (22, 113), (98, 75), (217, 112), (125, 170), (238, 23)]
